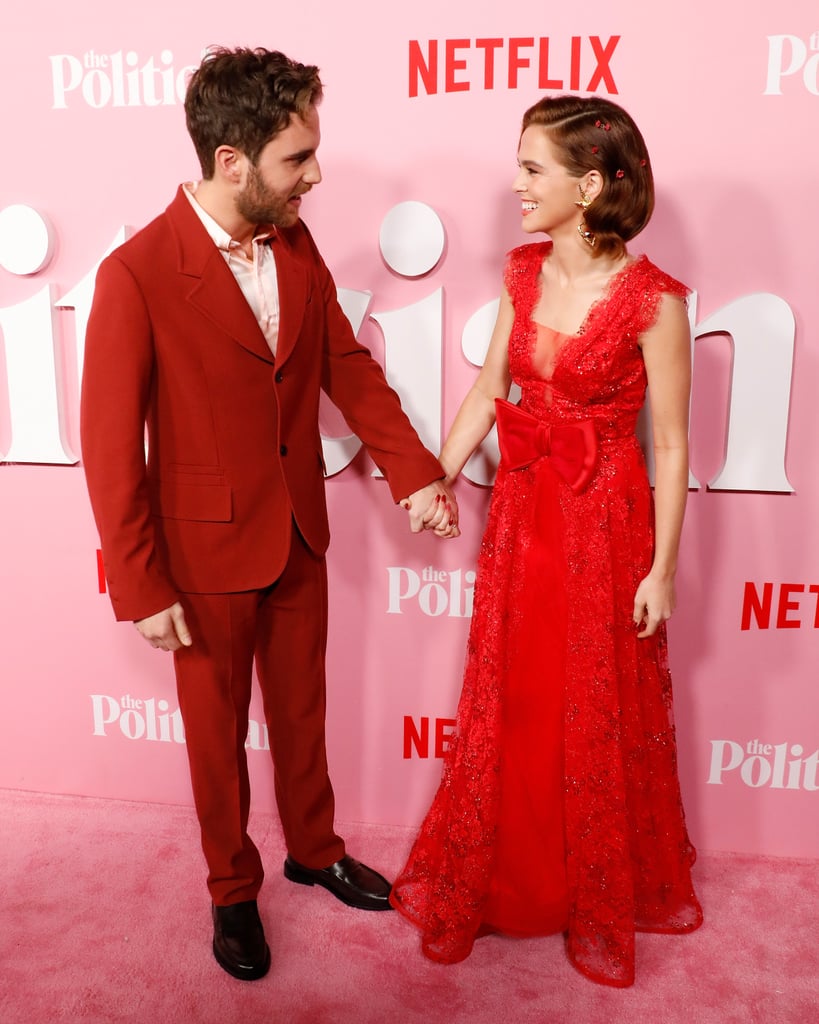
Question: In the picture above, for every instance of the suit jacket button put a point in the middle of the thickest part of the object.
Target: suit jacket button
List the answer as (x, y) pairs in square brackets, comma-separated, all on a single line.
[(279, 377), (283, 450)]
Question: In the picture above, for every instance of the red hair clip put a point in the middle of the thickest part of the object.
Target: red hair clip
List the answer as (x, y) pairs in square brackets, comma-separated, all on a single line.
[(620, 174)]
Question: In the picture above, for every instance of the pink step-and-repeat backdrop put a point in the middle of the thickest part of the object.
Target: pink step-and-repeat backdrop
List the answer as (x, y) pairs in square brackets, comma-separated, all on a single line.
[(414, 216)]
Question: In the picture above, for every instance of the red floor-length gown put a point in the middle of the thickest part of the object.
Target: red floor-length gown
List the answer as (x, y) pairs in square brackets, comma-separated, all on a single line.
[(559, 809)]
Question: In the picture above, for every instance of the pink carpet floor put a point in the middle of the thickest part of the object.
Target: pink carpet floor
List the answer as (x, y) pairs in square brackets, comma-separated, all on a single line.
[(105, 918)]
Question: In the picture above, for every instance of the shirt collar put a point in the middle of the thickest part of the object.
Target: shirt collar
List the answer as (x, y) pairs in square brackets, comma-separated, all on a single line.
[(221, 238)]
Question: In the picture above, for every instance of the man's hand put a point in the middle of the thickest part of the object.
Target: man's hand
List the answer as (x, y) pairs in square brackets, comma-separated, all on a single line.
[(166, 630), (433, 508)]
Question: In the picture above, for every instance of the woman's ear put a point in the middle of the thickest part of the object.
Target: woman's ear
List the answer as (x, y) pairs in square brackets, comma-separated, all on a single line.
[(592, 184)]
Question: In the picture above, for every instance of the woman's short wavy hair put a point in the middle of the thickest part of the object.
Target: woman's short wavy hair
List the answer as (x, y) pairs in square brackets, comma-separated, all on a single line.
[(591, 133)]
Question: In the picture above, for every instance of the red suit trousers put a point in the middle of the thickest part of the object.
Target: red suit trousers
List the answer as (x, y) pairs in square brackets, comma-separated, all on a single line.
[(283, 628)]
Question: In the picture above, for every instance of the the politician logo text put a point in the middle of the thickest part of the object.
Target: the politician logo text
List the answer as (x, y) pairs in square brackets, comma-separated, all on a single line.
[(790, 57), (121, 79), (759, 328), (758, 764), (434, 591), (152, 719)]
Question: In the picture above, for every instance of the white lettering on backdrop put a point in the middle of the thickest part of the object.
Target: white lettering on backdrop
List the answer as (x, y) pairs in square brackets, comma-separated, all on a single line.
[(120, 79), (760, 327), (788, 55)]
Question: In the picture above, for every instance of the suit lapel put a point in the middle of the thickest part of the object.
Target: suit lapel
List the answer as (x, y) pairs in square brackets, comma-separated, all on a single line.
[(214, 291), (293, 296)]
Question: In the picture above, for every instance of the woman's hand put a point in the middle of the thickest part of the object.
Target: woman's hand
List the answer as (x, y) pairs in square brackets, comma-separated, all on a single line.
[(654, 603)]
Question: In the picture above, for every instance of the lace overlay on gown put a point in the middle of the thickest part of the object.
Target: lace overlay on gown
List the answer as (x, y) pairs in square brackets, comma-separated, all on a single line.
[(559, 807)]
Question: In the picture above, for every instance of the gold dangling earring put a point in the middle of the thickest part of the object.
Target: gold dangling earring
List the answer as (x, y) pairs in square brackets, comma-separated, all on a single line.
[(582, 228)]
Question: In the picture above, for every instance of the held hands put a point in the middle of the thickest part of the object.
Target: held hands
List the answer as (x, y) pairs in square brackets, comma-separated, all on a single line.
[(433, 508), (654, 602), (166, 630)]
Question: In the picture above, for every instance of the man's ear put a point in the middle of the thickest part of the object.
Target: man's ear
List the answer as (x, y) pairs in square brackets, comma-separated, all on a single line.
[(229, 164)]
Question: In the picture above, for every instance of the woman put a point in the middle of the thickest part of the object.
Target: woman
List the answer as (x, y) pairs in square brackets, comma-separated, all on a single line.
[(559, 809)]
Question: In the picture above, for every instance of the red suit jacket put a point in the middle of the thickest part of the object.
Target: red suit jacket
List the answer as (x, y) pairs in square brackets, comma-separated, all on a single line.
[(234, 451)]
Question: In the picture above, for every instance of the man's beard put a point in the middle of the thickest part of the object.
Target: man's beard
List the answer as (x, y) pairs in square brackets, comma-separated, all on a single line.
[(259, 204)]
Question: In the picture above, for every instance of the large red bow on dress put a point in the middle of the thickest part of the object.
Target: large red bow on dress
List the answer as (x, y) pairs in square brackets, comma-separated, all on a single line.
[(570, 447)]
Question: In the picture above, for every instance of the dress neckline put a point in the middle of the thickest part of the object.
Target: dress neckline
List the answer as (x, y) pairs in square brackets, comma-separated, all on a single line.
[(566, 340), (608, 292)]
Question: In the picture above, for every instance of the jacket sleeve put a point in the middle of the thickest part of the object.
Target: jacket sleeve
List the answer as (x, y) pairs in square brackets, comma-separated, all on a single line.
[(355, 382), (116, 388)]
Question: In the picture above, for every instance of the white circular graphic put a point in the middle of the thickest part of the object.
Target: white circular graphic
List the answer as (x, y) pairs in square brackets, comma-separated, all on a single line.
[(26, 240), (411, 239)]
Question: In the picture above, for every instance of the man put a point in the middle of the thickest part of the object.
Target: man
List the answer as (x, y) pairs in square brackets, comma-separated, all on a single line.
[(217, 325)]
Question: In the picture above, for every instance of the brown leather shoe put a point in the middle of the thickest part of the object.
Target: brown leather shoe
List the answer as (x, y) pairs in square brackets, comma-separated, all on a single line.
[(348, 880), (238, 941)]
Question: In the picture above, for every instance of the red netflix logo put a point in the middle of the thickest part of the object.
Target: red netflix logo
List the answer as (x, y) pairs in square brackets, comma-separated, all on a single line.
[(417, 737), (458, 65), (789, 611)]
